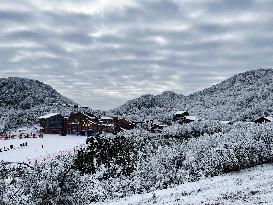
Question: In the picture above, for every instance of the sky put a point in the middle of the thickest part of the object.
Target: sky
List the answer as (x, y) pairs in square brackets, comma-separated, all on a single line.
[(101, 53)]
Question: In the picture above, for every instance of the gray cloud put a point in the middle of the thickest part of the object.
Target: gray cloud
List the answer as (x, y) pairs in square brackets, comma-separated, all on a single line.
[(102, 53)]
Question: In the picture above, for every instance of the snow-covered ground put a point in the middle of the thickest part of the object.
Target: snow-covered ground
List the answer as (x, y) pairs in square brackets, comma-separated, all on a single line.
[(251, 186), (39, 148)]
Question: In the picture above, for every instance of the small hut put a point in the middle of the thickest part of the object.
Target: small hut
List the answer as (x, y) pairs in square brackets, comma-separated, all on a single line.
[(189, 119), (179, 115), (261, 120)]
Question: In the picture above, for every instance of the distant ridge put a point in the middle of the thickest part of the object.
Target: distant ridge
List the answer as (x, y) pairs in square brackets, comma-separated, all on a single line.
[(244, 97)]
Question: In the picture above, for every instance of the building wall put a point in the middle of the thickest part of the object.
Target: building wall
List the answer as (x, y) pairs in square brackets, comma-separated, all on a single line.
[(180, 116), (52, 125), (80, 124)]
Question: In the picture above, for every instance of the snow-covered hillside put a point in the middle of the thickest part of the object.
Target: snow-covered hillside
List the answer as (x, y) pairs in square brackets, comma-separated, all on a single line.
[(243, 97), (192, 164), (23, 100), (250, 186), (195, 163)]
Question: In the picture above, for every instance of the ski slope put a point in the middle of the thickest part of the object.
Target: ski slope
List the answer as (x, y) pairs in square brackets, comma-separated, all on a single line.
[(39, 149), (251, 186)]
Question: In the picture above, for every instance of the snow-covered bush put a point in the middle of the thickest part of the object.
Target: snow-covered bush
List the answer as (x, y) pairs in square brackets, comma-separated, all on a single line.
[(54, 182), (115, 155), (170, 161), (195, 129), (163, 161), (244, 146), (137, 161)]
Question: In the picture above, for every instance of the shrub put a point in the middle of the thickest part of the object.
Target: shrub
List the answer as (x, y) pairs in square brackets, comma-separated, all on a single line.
[(116, 155)]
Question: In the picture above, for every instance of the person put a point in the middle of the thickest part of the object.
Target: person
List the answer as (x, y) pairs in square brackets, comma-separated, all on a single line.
[(41, 135)]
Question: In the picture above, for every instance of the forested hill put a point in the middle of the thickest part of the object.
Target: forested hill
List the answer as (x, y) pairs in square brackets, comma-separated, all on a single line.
[(22, 101), (149, 106), (241, 97), (22, 93)]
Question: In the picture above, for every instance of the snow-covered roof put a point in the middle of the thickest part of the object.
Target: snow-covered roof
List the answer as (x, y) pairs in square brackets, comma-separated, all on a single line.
[(269, 118), (224, 122), (193, 118), (180, 112), (162, 125), (48, 115), (91, 117), (108, 125), (106, 118), (23, 129)]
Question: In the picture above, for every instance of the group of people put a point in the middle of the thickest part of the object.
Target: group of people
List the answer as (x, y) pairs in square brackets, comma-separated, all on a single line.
[(4, 149), (20, 135)]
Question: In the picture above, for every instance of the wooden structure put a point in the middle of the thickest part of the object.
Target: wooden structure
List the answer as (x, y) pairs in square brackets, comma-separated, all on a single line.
[(123, 124), (52, 123), (183, 117), (261, 120), (106, 120), (189, 119), (157, 127), (139, 123), (81, 124), (179, 115)]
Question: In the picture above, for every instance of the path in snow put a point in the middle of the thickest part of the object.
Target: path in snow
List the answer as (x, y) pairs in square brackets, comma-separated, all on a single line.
[(251, 186), (52, 145)]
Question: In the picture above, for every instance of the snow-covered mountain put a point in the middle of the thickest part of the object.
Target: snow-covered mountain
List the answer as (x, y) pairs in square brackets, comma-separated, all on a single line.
[(241, 97), (23, 100)]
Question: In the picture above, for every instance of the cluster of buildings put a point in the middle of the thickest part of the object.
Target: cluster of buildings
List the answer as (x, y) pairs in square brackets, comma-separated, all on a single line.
[(87, 124), (183, 117), (80, 123)]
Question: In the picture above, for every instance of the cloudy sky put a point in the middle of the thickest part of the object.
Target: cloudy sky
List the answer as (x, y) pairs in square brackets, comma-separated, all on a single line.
[(101, 53)]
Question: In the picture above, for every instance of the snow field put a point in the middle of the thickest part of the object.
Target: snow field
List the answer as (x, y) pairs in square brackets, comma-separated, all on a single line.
[(39, 149)]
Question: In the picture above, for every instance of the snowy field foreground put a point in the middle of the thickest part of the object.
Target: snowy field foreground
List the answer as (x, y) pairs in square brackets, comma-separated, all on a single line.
[(251, 186), (39, 148)]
